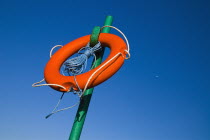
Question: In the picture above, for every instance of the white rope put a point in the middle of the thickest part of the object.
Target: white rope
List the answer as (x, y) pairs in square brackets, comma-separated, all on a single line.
[(128, 46), (54, 48), (67, 107), (36, 84), (98, 70), (89, 79), (53, 112), (128, 53)]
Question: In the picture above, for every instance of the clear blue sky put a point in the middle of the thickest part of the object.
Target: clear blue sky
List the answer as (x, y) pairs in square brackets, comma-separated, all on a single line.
[(161, 93)]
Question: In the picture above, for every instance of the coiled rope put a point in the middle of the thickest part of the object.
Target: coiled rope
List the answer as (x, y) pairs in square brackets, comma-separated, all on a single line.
[(77, 65)]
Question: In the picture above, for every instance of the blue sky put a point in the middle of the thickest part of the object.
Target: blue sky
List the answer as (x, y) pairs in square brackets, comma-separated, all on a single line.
[(161, 93)]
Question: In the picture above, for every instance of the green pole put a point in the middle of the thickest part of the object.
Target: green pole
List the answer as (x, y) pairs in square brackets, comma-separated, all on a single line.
[(85, 101)]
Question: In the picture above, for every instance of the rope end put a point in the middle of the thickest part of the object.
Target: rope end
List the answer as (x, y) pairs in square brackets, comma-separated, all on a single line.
[(48, 116)]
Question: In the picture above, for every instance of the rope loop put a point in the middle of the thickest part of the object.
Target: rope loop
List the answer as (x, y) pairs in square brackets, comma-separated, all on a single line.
[(37, 84), (126, 40), (54, 48)]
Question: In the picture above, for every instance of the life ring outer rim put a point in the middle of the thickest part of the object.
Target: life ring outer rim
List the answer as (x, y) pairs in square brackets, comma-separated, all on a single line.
[(52, 69)]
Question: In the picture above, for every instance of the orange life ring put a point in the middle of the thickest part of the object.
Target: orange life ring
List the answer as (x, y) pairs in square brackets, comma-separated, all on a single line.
[(52, 70)]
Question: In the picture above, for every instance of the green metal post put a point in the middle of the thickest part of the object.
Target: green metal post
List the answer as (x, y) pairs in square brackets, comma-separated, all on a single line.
[(85, 101)]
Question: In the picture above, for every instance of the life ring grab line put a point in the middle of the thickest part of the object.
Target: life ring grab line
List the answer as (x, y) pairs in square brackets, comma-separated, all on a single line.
[(57, 60)]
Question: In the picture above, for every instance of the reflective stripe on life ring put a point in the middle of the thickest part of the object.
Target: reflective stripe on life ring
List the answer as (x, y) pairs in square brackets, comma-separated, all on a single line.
[(52, 70)]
